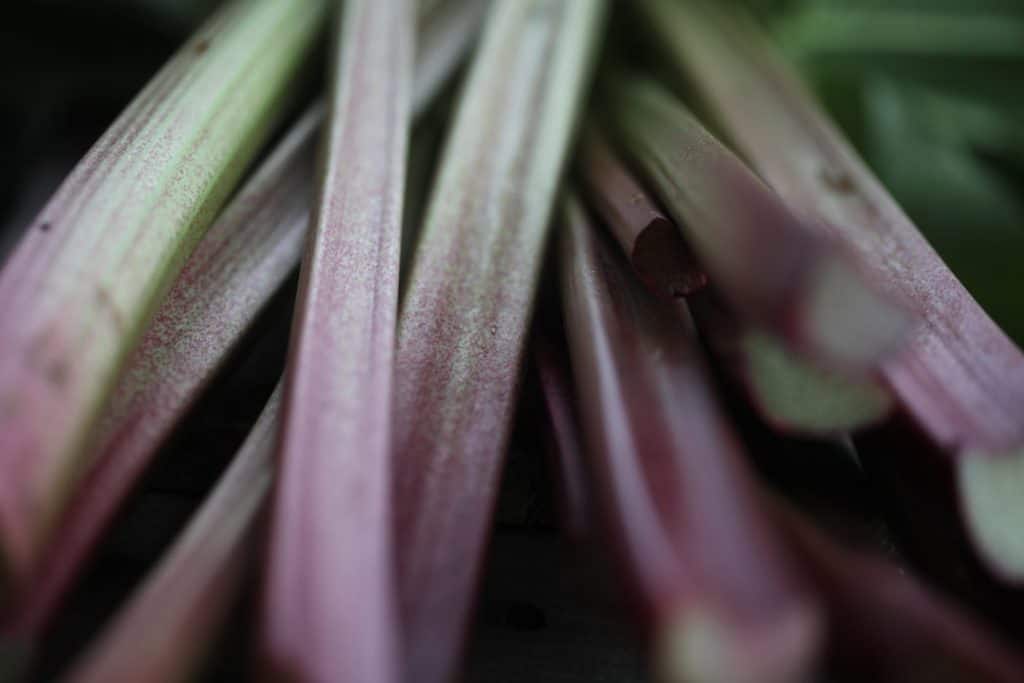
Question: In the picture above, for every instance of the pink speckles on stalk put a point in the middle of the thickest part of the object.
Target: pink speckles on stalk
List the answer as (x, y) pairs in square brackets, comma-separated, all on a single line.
[(329, 612), (464, 316)]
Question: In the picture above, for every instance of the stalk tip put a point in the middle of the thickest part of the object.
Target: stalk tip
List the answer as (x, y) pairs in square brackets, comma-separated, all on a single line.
[(991, 487), (849, 322), (701, 646), (795, 395)]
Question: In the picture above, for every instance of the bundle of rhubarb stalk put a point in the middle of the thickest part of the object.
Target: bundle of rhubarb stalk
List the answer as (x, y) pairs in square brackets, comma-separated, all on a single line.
[(628, 243)]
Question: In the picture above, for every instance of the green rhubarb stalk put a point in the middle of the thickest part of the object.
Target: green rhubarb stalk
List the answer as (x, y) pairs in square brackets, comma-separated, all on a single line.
[(465, 314), (76, 294), (166, 628), (229, 280), (961, 379)]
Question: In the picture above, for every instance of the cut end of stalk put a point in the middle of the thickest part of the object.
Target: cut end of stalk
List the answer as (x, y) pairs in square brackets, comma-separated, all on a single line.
[(704, 647), (991, 490), (664, 262), (847, 321), (796, 396)]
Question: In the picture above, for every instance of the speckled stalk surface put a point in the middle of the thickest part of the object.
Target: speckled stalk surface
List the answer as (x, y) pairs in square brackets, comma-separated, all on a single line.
[(651, 241), (163, 632), (234, 272), (887, 626), (466, 311), (961, 378), (328, 611), (768, 262), (77, 291), (237, 268), (719, 594)]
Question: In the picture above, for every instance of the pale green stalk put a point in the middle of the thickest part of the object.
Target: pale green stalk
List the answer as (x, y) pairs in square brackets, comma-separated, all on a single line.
[(77, 292)]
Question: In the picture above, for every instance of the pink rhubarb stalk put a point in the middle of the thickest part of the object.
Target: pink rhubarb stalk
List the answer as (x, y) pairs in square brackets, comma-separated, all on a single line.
[(328, 610), (563, 445), (465, 315), (790, 393), (162, 634), (238, 267), (889, 627), (710, 574), (651, 241), (768, 262), (961, 378), (75, 295)]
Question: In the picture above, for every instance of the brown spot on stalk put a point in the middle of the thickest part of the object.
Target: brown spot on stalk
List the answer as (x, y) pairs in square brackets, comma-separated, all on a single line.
[(202, 46), (837, 180), (106, 302), (45, 226), (57, 373)]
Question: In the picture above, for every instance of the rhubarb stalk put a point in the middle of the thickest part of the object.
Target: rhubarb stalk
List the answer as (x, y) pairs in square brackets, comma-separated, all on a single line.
[(887, 626), (792, 394), (961, 379), (235, 271), (769, 263), (563, 446), (328, 610), (723, 600), (75, 295), (231, 277), (650, 240), (465, 315), (163, 632)]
